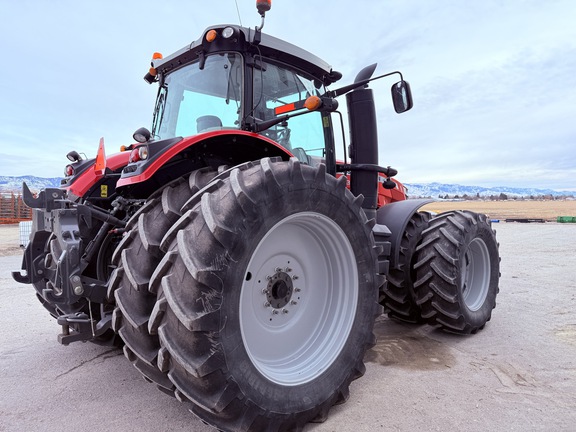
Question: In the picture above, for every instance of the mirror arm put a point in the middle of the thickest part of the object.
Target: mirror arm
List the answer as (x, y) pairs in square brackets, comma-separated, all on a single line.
[(389, 171), (343, 90), (328, 104), (259, 126)]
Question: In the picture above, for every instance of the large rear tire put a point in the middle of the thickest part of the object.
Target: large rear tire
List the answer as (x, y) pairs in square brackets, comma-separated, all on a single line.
[(398, 297), (457, 270), (136, 258), (269, 297)]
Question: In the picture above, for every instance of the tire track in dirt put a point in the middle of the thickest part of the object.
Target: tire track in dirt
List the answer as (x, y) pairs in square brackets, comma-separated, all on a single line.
[(408, 348)]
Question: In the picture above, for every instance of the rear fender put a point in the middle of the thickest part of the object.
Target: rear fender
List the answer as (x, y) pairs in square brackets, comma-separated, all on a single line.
[(222, 147), (396, 216), (88, 180)]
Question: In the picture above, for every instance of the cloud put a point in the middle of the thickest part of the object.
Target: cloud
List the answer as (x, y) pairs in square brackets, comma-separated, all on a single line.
[(494, 82)]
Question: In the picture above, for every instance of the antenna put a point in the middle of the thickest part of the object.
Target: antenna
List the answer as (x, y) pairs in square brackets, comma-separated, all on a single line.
[(238, 11)]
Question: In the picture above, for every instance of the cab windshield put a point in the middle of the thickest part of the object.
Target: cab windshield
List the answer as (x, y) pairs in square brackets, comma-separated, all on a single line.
[(193, 100)]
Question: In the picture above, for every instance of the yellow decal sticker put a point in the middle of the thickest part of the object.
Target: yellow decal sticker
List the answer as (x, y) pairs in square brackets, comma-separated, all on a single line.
[(104, 191)]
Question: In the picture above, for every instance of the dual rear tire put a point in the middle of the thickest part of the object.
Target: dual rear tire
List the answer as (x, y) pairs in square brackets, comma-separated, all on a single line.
[(447, 272), (457, 272)]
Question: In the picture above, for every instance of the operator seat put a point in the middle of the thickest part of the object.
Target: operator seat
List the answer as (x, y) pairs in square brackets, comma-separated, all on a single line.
[(301, 155), (208, 122)]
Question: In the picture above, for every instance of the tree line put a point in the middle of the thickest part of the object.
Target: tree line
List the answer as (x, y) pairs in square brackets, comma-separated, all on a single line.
[(502, 197)]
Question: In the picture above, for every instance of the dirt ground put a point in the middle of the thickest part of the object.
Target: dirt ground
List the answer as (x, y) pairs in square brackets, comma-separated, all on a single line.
[(502, 210), (518, 374), (10, 240)]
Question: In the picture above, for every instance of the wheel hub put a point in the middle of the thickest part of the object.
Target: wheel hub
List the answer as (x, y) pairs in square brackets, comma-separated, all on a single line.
[(281, 292), (475, 271), (279, 289)]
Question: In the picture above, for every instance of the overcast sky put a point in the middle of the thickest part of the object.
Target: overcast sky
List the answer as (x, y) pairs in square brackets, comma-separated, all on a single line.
[(494, 81)]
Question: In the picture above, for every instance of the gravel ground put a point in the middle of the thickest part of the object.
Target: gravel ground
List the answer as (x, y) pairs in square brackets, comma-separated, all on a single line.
[(517, 374), (10, 240)]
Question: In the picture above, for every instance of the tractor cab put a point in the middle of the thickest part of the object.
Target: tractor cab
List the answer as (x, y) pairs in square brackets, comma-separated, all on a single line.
[(236, 95), (227, 87), (237, 84)]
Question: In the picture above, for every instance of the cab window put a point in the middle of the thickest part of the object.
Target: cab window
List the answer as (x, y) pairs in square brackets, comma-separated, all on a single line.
[(193, 99), (275, 86)]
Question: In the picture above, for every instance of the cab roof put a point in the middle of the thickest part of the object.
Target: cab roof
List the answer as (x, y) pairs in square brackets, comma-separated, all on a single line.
[(247, 41)]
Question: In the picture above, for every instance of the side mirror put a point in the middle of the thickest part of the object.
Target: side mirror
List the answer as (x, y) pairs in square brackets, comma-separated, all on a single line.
[(402, 97)]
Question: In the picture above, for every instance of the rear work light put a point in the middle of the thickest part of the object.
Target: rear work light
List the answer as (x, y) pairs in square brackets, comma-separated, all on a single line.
[(73, 156), (228, 32)]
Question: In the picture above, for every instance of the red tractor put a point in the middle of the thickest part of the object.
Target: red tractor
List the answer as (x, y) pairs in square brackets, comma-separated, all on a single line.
[(240, 264)]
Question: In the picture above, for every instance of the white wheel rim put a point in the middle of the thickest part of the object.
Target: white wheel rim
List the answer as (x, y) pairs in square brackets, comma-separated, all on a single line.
[(476, 274), (299, 298)]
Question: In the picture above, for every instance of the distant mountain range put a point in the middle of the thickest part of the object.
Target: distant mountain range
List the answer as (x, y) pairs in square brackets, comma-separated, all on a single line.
[(434, 190), (14, 184)]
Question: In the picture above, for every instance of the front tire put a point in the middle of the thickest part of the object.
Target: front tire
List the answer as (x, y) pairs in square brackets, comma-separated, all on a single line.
[(269, 298), (457, 272)]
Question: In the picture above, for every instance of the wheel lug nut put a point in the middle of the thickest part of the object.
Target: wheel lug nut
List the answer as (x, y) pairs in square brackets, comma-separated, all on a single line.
[(287, 269), (284, 311), (267, 304), (294, 302), (265, 291), (295, 277), (275, 312), (277, 269), (297, 289)]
